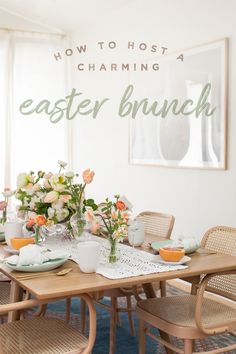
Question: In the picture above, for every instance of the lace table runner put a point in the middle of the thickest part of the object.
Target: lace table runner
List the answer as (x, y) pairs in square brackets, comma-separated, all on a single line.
[(131, 262)]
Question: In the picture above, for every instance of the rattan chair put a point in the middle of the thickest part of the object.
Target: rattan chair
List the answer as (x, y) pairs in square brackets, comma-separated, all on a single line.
[(156, 224), (161, 225), (5, 287), (194, 316), (37, 335)]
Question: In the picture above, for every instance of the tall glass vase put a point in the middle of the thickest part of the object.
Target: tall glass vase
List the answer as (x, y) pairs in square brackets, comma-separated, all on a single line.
[(77, 222), (113, 250)]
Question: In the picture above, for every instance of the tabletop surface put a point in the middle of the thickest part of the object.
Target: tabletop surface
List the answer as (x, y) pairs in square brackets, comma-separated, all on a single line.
[(77, 282)]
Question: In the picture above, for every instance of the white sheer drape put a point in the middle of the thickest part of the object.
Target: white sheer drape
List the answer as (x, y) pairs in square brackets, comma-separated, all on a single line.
[(28, 70)]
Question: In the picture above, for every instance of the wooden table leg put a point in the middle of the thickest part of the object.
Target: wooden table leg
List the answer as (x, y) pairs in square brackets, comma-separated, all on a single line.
[(16, 294), (113, 322), (149, 290)]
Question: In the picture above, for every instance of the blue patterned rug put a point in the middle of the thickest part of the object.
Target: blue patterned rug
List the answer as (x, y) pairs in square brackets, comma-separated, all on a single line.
[(124, 342)]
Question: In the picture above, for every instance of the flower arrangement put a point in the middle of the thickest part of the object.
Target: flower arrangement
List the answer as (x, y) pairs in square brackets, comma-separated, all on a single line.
[(55, 196), (3, 204), (114, 217), (34, 223)]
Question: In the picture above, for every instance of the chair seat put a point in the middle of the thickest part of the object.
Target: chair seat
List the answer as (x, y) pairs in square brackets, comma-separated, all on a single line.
[(180, 310), (40, 336), (4, 292)]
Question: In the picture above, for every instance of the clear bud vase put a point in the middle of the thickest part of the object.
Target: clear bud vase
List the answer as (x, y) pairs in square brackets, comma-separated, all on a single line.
[(37, 234), (113, 251), (77, 223)]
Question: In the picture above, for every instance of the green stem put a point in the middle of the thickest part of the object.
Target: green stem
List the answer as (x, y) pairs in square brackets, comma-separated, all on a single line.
[(113, 251)]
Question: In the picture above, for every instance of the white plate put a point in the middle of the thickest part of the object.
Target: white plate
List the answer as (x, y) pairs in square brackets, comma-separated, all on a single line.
[(158, 259), (11, 250), (38, 267)]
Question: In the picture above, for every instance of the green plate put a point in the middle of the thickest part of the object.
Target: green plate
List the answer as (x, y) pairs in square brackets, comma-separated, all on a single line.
[(38, 267), (159, 244)]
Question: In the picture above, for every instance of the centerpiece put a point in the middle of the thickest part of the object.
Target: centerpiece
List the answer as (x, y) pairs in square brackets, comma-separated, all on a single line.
[(56, 197), (114, 217)]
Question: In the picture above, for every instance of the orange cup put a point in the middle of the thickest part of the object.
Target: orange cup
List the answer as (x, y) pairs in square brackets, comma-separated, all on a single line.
[(18, 242), (171, 254)]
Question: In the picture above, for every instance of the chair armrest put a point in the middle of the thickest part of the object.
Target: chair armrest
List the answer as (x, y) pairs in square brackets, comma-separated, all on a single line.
[(199, 306), (22, 305)]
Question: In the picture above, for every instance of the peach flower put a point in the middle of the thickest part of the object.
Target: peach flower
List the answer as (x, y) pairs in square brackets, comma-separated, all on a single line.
[(65, 198), (114, 215), (120, 205), (94, 228), (88, 176), (40, 220), (51, 197), (89, 215), (30, 222)]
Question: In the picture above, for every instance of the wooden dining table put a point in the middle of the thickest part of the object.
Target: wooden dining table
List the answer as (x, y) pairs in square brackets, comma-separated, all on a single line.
[(76, 282)]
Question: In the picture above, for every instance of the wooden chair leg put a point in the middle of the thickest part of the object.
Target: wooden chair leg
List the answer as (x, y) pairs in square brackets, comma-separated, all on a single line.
[(163, 288), (142, 337), (118, 319), (130, 317), (113, 320), (188, 346), (68, 308), (82, 315)]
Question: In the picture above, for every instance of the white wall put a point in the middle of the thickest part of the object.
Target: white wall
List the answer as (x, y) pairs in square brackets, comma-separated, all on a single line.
[(199, 199)]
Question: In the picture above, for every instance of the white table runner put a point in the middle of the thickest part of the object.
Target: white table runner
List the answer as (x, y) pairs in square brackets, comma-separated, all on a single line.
[(131, 262)]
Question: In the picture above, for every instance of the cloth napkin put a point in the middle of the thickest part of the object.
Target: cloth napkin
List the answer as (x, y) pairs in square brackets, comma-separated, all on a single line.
[(34, 254)]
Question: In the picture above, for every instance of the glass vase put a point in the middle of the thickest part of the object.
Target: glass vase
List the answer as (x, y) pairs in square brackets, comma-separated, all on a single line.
[(77, 223), (113, 251), (37, 235)]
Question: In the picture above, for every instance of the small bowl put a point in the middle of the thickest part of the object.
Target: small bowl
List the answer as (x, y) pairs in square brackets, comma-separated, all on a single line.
[(18, 242), (171, 254)]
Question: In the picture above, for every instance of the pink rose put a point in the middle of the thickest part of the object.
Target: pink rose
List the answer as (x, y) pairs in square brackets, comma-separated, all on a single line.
[(88, 176)]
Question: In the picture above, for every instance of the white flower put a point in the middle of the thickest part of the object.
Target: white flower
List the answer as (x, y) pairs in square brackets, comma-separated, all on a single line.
[(30, 191), (31, 215), (34, 200), (8, 194), (48, 175), (58, 204), (46, 184), (62, 214), (41, 196), (128, 205), (69, 174), (57, 182), (62, 164), (51, 197), (23, 179), (51, 213)]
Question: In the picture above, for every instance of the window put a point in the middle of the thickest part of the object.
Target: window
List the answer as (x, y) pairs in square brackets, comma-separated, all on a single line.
[(29, 71)]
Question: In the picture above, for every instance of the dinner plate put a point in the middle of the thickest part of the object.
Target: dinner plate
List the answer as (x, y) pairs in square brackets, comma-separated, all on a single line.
[(158, 259), (156, 245), (11, 250), (38, 267)]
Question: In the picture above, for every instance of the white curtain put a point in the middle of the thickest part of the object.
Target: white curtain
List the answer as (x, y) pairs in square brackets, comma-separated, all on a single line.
[(28, 70)]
